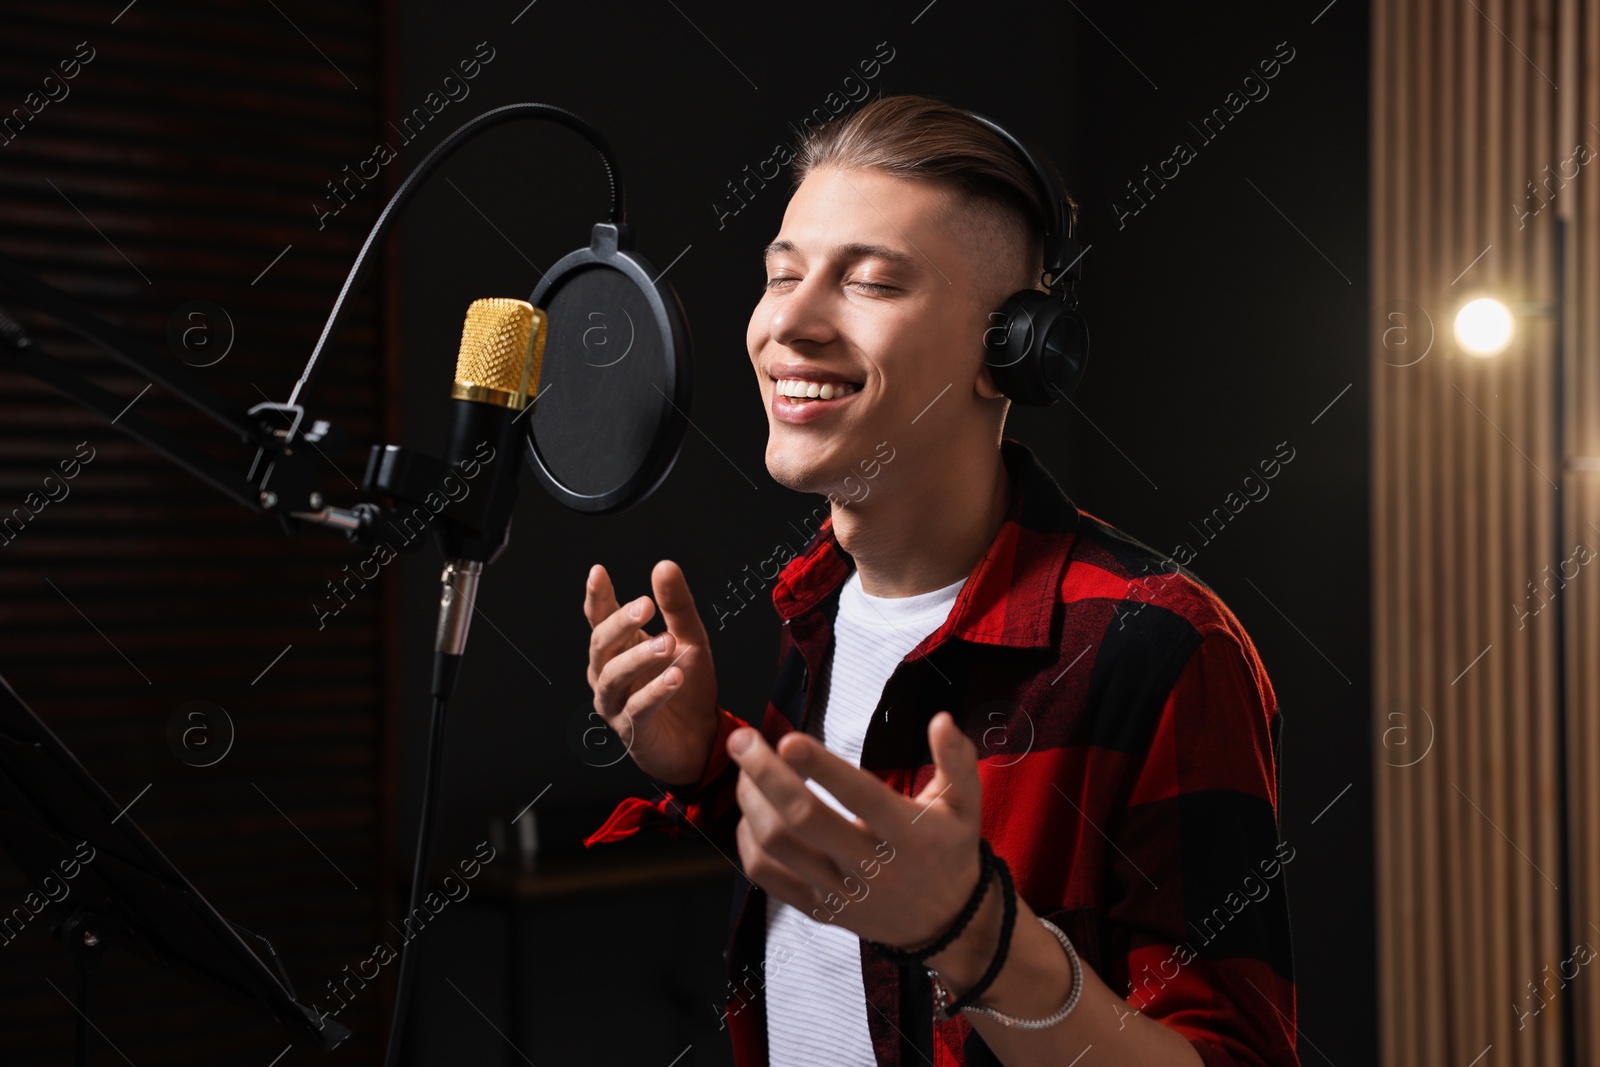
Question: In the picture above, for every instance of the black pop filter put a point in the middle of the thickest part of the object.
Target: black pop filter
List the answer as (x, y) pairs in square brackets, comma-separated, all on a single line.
[(614, 385), (616, 355)]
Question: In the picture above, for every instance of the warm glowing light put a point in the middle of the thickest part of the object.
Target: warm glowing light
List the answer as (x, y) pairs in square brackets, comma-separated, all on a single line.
[(1483, 327)]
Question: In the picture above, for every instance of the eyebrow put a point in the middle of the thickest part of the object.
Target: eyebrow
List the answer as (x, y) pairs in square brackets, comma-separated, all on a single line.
[(854, 250)]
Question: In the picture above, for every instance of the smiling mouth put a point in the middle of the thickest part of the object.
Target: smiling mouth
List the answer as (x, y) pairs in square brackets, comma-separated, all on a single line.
[(799, 391)]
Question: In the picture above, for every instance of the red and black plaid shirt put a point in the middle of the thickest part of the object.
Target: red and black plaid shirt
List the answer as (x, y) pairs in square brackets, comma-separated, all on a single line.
[(1128, 750)]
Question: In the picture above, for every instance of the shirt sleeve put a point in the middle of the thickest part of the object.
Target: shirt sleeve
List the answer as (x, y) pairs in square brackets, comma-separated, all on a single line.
[(707, 807), (1198, 908)]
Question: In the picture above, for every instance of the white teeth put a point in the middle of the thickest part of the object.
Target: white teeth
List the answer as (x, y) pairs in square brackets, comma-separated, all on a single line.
[(800, 388)]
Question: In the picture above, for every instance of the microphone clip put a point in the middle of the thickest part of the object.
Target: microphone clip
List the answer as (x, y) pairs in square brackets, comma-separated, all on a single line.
[(282, 471), (467, 517)]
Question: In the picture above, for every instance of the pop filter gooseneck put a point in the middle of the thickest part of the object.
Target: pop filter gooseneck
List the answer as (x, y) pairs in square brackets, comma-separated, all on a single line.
[(431, 162)]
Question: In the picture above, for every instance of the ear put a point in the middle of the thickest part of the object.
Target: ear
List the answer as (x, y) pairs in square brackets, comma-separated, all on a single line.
[(984, 385)]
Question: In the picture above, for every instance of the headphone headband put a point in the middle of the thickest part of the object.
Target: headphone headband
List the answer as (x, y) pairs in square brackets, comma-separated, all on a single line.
[(1038, 349), (1063, 258)]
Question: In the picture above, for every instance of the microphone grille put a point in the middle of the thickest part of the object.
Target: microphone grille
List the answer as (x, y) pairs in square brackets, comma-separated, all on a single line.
[(502, 344)]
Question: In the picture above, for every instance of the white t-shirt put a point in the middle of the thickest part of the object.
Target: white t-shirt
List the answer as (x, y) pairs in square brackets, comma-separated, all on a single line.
[(816, 1002)]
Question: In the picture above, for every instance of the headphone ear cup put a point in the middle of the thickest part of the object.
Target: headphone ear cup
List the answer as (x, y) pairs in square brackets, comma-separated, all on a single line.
[(1008, 342), (1037, 350), (1065, 352)]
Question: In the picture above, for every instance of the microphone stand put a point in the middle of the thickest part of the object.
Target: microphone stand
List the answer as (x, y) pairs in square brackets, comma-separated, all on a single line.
[(280, 480)]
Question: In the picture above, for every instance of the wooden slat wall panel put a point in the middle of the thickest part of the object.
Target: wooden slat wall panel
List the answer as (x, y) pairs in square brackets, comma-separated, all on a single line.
[(196, 141), (1381, 195), (1476, 908), (1581, 103)]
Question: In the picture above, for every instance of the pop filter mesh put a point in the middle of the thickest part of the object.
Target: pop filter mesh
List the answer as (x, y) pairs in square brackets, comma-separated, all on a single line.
[(605, 372)]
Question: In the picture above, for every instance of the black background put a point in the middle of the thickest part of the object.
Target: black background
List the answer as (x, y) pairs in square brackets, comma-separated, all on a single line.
[(1220, 329), (1228, 316)]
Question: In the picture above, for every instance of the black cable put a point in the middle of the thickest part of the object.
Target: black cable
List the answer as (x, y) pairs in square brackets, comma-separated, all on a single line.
[(419, 875), (441, 152)]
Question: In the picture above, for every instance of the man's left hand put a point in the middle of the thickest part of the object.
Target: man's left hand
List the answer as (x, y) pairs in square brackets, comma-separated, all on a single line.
[(899, 873)]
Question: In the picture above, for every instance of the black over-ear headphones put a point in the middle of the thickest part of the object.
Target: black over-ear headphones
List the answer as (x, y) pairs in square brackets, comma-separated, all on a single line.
[(1037, 343)]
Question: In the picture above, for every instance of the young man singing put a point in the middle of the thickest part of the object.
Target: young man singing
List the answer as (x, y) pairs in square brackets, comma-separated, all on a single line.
[(1011, 751)]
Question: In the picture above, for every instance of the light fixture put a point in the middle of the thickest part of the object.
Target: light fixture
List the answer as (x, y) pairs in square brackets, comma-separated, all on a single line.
[(1483, 326)]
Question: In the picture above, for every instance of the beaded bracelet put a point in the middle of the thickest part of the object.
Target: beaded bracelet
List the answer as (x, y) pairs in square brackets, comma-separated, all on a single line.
[(986, 861), (964, 1003), (1008, 922)]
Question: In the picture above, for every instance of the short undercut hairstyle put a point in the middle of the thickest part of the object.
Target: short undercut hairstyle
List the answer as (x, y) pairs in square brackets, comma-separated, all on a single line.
[(919, 138)]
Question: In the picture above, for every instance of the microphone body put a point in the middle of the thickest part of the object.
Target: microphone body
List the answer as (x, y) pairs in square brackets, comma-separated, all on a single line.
[(497, 375), (482, 433)]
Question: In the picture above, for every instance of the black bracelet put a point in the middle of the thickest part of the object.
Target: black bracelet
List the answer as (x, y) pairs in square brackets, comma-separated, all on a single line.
[(1009, 895), (986, 861)]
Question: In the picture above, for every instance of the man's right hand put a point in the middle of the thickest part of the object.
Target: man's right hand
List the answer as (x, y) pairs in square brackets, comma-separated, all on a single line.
[(662, 701)]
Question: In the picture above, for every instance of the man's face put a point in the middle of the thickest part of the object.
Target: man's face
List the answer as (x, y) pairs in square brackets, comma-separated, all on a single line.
[(872, 292)]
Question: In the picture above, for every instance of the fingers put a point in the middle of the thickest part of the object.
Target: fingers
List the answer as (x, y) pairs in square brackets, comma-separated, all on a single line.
[(599, 599), (626, 671), (615, 629), (605, 615), (955, 782), (887, 811), (777, 842), (678, 610), (637, 709), (779, 802), (770, 873), (677, 605)]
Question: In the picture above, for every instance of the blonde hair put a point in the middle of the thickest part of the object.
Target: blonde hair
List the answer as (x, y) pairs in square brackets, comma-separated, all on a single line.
[(923, 139)]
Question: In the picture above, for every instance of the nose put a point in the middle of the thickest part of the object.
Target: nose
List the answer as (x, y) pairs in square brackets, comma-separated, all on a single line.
[(804, 314)]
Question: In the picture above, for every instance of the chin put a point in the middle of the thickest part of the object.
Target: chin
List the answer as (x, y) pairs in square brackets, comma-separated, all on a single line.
[(795, 464)]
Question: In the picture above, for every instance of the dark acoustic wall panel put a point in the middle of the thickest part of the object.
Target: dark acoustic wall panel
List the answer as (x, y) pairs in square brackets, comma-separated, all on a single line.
[(174, 152)]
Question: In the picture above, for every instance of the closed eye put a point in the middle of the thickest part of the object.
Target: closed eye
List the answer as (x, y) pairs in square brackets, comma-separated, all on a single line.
[(875, 288)]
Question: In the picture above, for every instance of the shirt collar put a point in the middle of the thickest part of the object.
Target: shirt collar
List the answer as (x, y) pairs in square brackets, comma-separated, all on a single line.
[(1010, 596)]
